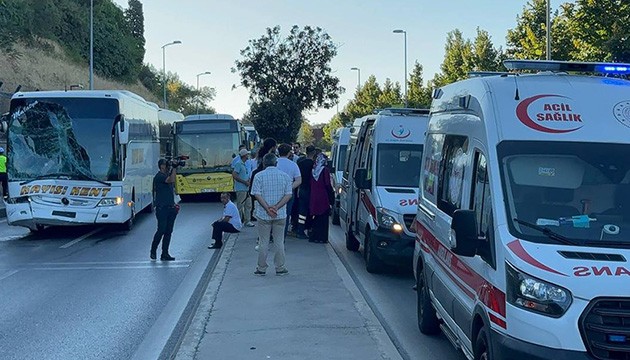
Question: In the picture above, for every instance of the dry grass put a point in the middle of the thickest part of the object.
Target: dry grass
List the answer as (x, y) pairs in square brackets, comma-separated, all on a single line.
[(51, 70)]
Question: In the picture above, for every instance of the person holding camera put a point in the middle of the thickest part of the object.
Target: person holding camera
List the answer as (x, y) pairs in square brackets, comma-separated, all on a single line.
[(165, 207)]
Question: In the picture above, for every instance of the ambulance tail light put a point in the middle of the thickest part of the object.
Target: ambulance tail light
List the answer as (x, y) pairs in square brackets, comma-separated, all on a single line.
[(535, 295)]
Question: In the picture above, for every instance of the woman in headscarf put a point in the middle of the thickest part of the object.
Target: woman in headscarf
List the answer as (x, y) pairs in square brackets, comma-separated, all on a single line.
[(322, 197)]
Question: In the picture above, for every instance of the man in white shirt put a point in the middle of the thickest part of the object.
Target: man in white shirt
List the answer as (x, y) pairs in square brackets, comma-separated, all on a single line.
[(272, 189), (229, 223), (290, 168)]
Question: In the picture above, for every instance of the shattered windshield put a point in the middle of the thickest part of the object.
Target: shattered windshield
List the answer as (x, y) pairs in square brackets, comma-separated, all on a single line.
[(576, 191), (208, 152), (71, 136)]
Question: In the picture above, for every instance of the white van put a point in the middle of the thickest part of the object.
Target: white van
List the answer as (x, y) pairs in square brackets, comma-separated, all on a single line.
[(523, 223), (381, 199), (339, 149)]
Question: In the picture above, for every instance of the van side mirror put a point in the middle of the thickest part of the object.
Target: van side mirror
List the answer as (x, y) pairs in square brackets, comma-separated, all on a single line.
[(464, 229), (123, 129), (361, 180)]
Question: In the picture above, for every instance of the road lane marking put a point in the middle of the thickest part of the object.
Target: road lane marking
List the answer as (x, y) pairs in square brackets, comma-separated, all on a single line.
[(65, 246), (3, 220), (6, 275), (109, 263), (155, 266)]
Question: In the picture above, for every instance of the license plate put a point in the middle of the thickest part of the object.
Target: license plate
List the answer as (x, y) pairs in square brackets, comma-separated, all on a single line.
[(208, 190)]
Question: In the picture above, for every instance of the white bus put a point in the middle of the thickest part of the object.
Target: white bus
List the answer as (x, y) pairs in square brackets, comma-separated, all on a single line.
[(166, 119), (80, 157)]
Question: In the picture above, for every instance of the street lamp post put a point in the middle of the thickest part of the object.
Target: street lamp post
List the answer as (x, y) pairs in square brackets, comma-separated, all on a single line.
[(198, 75), (359, 77), (164, 66), (399, 31), (91, 44), (548, 29)]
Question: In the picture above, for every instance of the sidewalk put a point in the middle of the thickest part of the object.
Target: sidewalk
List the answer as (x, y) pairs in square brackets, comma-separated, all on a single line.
[(314, 312)]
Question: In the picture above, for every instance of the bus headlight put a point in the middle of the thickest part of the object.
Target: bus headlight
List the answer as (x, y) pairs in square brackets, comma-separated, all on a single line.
[(529, 293), (110, 201)]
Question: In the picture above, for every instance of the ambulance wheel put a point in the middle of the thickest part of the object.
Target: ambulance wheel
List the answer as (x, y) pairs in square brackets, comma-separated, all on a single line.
[(373, 264), (483, 351), (428, 323), (351, 242)]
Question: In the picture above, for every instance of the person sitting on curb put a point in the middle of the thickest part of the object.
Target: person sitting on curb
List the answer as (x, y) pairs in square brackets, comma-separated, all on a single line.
[(229, 223)]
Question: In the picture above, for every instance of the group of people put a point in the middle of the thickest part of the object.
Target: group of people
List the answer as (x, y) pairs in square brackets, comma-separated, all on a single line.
[(290, 192)]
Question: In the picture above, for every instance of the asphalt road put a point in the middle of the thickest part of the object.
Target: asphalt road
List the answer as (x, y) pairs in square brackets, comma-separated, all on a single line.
[(391, 297), (91, 292)]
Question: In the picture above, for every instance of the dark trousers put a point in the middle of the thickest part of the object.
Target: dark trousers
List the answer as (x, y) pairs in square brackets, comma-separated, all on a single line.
[(218, 228), (165, 222), (319, 232), (304, 221), (5, 184), (295, 206)]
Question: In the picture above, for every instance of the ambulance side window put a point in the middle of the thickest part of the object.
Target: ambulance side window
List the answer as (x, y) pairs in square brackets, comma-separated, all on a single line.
[(431, 169), (452, 169), (480, 201)]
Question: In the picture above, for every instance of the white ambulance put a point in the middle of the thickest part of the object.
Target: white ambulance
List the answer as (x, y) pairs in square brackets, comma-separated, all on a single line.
[(381, 198), (523, 223), (338, 152)]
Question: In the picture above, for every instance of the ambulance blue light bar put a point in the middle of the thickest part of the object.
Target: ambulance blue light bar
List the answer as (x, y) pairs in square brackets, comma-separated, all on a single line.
[(553, 65)]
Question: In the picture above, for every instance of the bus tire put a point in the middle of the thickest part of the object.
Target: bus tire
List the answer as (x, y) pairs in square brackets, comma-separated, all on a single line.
[(37, 228), (428, 322), (373, 264), (351, 242), (128, 225)]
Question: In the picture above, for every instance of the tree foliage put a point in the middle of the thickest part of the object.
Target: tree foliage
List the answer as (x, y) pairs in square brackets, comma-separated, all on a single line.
[(305, 135), (457, 61), (271, 119), (293, 72), (418, 95)]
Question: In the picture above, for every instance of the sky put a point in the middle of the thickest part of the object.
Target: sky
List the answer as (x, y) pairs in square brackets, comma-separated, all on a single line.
[(213, 32)]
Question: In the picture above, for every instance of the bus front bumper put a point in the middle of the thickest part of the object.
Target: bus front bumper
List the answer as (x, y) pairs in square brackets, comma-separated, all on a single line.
[(31, 214)]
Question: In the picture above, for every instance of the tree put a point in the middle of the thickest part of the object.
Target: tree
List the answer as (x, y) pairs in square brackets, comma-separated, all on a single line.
[(365, 101), (600, 30), (418, 96), (391, 95), (293, 72), (528, 39), (330, 128), (305, 136), (135, 23), (457, 59), (271, 119), (485, 57)]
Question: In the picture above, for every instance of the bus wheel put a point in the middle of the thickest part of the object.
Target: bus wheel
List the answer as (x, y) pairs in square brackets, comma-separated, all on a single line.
[(37, 228), (351, 242), (373, 264), (128, 225), (482, 345), (428, 323)]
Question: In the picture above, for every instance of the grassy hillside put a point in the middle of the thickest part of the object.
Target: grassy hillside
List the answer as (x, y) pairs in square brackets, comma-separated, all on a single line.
[(33, 68)]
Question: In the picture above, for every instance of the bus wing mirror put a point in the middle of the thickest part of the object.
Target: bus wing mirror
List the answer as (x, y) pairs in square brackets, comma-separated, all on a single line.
[(464, 239), (123, 130)]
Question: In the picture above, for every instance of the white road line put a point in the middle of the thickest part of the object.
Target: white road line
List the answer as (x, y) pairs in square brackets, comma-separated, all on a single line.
[(3, 220), (65, 246), (109, 263), (8, 274), (156, 266)]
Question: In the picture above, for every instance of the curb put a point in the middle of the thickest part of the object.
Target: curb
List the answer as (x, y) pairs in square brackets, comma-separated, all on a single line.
[(370, 303), (166, 335), (197, 328), (377, 327)]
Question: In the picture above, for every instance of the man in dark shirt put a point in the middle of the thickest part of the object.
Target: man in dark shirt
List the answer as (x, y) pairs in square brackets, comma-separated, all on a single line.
[(304, 191), (165, 208)]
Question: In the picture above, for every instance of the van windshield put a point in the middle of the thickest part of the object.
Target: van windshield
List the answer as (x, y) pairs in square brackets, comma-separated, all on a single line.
[(580, 191), (341, 158), (398, 165)]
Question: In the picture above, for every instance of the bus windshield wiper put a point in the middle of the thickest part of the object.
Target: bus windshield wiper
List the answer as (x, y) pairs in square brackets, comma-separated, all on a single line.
[(549, 233), (65, 175)]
